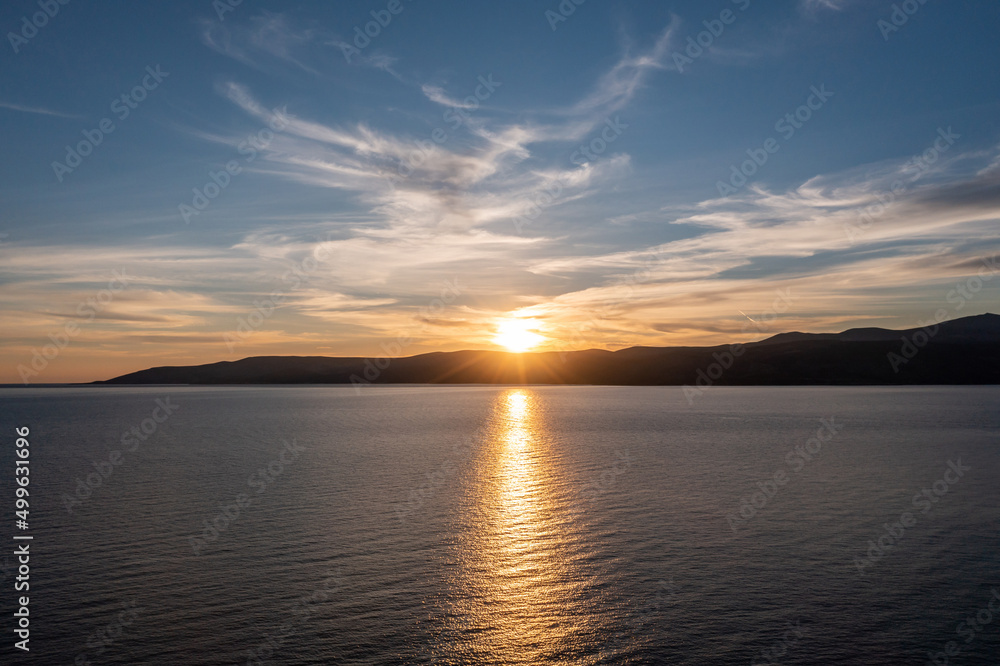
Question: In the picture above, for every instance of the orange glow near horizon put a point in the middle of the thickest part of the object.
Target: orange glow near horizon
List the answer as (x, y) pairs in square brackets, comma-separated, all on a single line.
[(518, 335)]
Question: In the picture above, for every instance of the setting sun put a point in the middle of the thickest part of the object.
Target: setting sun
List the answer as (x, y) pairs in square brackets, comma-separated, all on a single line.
[(518, 335)]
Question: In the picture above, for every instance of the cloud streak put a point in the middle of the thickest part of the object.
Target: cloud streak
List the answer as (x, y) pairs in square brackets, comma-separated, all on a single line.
[(35, 110), (426, 184)]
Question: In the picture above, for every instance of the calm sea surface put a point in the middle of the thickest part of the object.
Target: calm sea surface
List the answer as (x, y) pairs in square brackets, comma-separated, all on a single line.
[(507, 525)]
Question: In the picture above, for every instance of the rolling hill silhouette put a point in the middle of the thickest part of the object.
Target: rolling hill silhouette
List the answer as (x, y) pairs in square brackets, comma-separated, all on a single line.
[(962, 351)]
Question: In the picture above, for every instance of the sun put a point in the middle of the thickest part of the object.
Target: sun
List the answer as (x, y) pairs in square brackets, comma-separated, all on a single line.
[(518, 335)]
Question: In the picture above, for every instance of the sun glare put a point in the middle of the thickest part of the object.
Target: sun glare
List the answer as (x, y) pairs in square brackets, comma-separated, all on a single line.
[(518, 335)]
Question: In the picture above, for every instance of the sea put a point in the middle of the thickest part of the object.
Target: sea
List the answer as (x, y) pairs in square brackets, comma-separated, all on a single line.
[(502, 525)]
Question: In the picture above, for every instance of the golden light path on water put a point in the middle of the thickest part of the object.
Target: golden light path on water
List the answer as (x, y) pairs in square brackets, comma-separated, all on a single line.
[(520, 588)]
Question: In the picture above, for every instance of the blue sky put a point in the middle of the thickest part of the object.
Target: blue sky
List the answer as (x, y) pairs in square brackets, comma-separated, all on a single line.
[(373, 201)]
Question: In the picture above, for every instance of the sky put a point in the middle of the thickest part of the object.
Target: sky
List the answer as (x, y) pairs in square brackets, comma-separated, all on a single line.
[(190, 182)]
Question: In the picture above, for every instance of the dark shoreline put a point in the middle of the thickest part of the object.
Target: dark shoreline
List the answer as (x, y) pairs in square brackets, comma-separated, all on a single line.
[(961, 352)]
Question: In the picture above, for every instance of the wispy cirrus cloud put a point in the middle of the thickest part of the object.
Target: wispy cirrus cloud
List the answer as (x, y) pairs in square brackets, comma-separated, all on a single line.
[(814, 6), (619, 85), (263, 41), (435, 210), (811, 239), (437, 95), (467, 183), (440, 209), (36, 110)]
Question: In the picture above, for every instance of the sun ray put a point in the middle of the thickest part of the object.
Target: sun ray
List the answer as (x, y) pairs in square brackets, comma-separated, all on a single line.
[(518, 335)]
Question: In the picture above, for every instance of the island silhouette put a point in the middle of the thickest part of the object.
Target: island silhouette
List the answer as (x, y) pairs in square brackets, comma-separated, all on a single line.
[(960, 351)]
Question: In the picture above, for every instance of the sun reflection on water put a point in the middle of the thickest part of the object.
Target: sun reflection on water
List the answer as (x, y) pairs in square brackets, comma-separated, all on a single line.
[(517, 582)]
